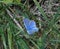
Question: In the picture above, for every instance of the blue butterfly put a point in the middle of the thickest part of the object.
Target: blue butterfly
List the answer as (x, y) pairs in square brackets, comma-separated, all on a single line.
[(30, 26)]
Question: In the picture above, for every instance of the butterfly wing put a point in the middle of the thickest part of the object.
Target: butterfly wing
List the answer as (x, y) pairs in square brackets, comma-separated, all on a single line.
[(26, 23), (31, 31), (30, 26)]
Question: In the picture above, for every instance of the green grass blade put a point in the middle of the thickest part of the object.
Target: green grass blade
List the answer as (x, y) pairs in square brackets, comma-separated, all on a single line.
[(3, 38), (40, 43), (35, 44), (9, 38), (22, 44)]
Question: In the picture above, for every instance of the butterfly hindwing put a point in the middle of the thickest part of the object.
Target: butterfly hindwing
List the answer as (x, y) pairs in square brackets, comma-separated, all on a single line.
[(31, 31)]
